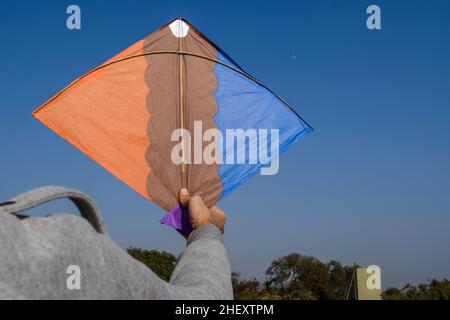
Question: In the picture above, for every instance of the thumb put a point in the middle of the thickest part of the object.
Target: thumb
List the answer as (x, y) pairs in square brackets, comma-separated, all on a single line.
[(184, 197)]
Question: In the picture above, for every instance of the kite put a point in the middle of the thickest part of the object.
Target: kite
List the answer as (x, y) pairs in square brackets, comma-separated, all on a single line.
[(139, 113)]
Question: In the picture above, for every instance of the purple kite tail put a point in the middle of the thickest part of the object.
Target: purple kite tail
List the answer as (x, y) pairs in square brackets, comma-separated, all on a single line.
[(178, 218)]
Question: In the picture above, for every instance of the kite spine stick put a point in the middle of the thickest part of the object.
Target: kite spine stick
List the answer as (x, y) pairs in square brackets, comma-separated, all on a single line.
[(181, 104)]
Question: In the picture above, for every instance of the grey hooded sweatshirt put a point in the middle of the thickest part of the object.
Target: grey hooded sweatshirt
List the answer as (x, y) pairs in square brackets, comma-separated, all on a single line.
[(63, 256)]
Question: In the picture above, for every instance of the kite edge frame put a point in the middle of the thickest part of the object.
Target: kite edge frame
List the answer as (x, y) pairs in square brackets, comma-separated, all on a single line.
[(182, 53)]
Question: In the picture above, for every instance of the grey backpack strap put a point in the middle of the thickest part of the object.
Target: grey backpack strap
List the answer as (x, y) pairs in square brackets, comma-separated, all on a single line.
[(35, 197)]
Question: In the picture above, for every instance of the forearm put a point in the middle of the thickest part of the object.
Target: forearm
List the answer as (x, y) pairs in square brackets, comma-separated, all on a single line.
[(203, 270)]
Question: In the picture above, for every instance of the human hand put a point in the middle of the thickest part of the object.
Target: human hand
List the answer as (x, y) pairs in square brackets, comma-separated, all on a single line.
[(199, 214)]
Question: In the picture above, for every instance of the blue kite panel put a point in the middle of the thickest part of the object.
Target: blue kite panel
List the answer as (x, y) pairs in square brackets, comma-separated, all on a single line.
[(245, 104)]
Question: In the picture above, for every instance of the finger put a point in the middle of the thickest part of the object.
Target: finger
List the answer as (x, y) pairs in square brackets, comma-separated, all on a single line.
[(196, 205), (184, 197), (198, 212), (219, 217), (219, 213)]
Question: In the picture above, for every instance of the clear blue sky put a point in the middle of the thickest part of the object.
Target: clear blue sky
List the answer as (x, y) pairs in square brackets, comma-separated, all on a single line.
[(370, 185)]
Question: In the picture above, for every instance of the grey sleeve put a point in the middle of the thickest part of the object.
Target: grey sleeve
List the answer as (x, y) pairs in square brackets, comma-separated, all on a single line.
[(203, 270), (35, 254)]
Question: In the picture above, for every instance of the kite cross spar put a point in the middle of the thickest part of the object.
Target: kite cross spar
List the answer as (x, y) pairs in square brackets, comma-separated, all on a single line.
[(125, 113)]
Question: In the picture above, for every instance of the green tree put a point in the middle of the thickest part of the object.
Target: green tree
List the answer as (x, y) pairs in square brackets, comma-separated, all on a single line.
[(162, 263), (296, 276), (439, 290), (250, 289), (245, 289), (433, 290)]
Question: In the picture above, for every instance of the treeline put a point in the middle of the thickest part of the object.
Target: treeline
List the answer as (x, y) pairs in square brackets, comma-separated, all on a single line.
[(296, 276), (299, 277), (433, 290)]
